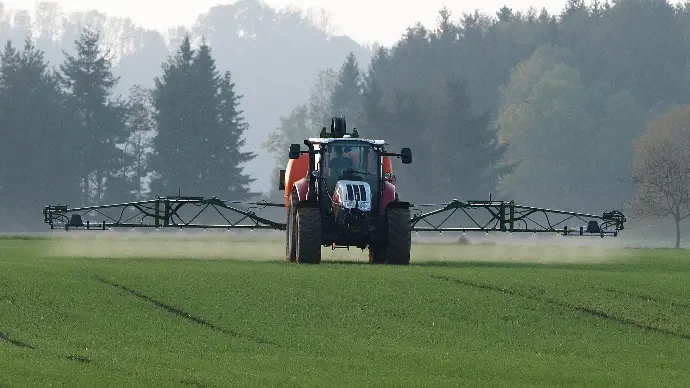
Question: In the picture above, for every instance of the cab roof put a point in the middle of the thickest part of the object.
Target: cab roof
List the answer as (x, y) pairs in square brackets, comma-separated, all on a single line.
[(327, 140)]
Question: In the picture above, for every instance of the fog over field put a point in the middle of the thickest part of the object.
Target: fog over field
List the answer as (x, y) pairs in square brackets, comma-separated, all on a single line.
[(572, 105)]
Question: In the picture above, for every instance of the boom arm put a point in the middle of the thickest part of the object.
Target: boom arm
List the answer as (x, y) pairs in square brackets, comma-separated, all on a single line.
[(501, 216), (162, 212)]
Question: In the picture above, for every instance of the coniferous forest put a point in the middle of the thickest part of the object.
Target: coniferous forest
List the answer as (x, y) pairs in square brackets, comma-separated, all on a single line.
[(546, 109)]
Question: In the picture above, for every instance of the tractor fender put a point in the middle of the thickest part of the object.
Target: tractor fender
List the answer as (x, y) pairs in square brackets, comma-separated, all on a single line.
[(388, 194), (295, 171), (302, 188)]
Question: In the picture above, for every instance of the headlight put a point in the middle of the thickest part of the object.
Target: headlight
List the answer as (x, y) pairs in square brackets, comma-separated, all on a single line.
[(365, 206), (387, 176), (348, 204)]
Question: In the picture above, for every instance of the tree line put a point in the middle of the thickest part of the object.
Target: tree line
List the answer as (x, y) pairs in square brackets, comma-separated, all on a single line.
[(544, 109), (68, 140), (539, 108), (269, 50)]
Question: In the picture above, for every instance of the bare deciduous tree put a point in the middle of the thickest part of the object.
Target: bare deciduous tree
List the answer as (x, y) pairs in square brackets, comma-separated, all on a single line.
[(661, 169)]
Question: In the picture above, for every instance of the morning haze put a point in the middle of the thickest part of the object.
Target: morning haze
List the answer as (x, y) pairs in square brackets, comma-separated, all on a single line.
[(539, 105)]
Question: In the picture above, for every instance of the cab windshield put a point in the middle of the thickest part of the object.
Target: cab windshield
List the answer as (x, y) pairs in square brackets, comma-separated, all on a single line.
[(350, 161)]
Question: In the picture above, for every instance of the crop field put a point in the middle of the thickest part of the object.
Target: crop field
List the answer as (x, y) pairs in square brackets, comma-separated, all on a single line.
[(143, 311)]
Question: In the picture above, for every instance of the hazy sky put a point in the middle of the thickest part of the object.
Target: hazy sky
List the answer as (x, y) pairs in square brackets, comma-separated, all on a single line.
[(363, 20)]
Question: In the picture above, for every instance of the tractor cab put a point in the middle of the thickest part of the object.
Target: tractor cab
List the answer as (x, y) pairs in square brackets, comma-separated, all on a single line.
[(348, 160)]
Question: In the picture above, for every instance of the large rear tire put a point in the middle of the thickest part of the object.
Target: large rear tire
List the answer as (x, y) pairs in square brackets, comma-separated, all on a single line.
[(398, 243), (308, 222), (291, 230)]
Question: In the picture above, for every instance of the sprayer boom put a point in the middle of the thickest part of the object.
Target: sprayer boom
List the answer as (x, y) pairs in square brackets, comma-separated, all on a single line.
[(163, 212), (454, 216), (501, 216)]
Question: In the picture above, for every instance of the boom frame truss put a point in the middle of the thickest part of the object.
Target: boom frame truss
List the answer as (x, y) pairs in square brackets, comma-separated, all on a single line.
[(162, 212), (484, 216), (502, 216)]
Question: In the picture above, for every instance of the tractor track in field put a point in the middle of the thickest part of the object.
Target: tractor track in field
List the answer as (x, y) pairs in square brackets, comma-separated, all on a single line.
[(580, 309), (649, 298), (20, 344), (182, 314), (79, 359), (24, 345), (193, 383)]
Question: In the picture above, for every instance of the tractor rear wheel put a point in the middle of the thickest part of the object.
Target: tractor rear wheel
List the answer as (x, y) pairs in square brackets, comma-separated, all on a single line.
[(291, 230), (308, 239), (398, 243)]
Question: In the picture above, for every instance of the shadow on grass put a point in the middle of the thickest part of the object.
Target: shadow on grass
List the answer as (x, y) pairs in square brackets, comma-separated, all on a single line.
[(180, 313), (464, 264), (513, 265), (23, 237), (583, 309)]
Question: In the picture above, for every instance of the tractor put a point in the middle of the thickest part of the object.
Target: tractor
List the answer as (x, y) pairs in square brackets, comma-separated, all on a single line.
[(340, 192)]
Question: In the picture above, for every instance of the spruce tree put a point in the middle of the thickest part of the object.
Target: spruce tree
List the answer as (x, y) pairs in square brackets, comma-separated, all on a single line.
[(468, 146), (35, 158), (174, 117), (200, 127), (99, 121), (9, 69), (376, 115), (140, 127), (233, 127), (347, 94), (207, 130)]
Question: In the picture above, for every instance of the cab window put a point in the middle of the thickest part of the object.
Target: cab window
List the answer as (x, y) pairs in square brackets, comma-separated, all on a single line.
[(358, 159)]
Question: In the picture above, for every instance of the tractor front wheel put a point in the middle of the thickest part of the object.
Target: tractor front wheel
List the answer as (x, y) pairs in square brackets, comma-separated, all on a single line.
[(291, 230), (398, 242), (308, 223)]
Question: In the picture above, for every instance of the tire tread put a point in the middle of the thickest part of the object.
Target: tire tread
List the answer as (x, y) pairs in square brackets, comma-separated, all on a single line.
[(308, 235)]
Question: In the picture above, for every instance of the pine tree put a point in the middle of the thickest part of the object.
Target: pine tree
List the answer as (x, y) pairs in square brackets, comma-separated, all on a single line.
[(346, 97), (9, 69), (140, 127), (99, 121), (200, 127), (35, 157), (376, 116), (466, 145), (207, 130), (408, 116), (174, 118), (232, 123)]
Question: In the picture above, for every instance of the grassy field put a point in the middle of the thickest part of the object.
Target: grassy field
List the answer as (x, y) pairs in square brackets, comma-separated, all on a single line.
[(216, 313)]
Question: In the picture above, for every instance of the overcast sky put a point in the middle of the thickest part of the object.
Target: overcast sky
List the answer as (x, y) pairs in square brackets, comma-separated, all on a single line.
[(365, 21)]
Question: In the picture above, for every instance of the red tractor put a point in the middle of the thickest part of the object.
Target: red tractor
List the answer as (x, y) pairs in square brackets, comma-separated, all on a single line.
[(340, 192)]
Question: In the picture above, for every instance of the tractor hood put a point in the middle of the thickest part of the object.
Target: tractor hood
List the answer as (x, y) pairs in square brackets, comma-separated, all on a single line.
[(353, 195)]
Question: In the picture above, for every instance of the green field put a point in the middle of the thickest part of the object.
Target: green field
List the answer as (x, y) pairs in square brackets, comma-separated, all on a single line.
[(216, 313)]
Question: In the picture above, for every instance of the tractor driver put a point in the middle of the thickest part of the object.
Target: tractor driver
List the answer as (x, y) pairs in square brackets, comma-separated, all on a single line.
[(340, 163)]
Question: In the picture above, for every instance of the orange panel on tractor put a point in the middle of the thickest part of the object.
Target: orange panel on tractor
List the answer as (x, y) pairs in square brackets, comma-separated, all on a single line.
[(387, 165), (296, 170)]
